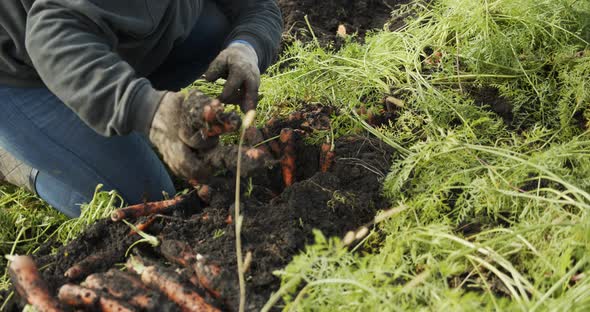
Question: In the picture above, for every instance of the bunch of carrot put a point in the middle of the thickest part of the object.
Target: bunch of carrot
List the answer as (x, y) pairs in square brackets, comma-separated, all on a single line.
[(147, 288)]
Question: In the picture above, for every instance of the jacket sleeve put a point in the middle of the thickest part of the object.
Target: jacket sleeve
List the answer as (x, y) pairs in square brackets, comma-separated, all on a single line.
[(73, 55), (258, 22)]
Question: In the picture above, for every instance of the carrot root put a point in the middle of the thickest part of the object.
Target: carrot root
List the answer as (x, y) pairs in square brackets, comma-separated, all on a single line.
[(79, 296), (125, 287), (182, 254), (29, 285), (288, 160), (146, 209), (143, 226), (327, 156), (180, 293), (85, 266)]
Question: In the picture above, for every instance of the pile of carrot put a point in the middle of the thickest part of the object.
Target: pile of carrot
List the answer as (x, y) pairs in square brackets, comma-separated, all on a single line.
[(145, 287)]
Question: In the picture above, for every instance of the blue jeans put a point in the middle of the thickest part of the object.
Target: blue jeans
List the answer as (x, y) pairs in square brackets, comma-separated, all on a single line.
[(72, 159)]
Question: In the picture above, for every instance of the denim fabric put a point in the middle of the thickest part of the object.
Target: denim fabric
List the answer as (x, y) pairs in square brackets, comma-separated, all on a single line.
[(72, 159)]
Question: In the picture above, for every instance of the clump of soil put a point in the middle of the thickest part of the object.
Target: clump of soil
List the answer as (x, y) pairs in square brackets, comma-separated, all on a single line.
[(278, 221), (326, 16)]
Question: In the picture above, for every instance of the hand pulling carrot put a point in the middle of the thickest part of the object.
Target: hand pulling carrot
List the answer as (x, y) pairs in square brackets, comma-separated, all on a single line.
[(146, 209), (168, 282), (288, 159), (29, 285), (78, 296)]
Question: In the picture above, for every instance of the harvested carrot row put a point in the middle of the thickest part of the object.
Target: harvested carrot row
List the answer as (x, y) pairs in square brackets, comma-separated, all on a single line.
[(29, 285), (146, 209), (124, 286), (182, 294), (87, 265), (327, 156), (288, 159), (79, 296)]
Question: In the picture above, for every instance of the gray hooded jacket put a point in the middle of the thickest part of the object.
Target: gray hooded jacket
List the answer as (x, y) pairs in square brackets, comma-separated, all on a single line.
[(94, 54)]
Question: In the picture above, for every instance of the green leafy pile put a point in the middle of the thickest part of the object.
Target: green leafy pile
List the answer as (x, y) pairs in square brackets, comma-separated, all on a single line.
[(493, 190)]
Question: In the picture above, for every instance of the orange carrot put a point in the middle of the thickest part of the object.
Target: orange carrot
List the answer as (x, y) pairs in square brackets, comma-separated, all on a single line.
[(79, 296), (288, 159), (208, 275), (167, 281), (327, 156), (204, 193), (86, 266), (29, 285), (143, 226), (181, 253), (124, 286), (146, 209)]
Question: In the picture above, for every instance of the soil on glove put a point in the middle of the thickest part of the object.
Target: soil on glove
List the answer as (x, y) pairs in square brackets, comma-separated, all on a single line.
[(278, 221), (357, 16)]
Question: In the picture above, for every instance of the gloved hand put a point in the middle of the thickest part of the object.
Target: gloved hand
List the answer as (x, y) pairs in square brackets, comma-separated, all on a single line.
[(186, 130), (174, 138), (238, 64)]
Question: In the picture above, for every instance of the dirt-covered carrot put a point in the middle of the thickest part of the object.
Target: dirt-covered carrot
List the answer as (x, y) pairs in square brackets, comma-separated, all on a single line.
[(146, 209), (143, 226), (78, 296), (208, 275), (204, 193), (327, 156), (181, 293), (88, 265), (274, 145), (29, 285), (288, 160), (125, 287)]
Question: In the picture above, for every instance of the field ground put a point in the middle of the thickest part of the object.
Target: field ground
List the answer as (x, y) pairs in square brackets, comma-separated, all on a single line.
[(460, 178)]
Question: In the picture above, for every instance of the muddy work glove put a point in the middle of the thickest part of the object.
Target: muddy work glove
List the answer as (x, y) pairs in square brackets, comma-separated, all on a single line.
[(238, 64), (186, 130)]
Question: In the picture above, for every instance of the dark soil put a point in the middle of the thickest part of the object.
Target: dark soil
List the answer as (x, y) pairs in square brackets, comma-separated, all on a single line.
[(278, 221), (358, 16)]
